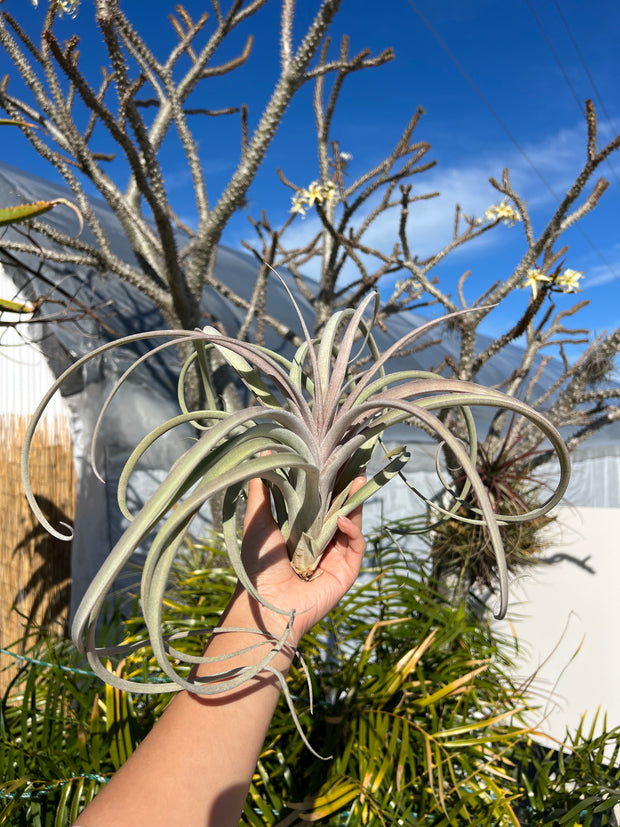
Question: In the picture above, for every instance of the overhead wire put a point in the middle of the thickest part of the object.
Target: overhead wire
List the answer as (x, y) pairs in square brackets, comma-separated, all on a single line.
[(591, 79), (579, 106), (547, 39), (482, 97), (499, 120)]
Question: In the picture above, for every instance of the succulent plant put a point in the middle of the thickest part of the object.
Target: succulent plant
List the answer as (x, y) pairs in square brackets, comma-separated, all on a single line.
[(315, 423)]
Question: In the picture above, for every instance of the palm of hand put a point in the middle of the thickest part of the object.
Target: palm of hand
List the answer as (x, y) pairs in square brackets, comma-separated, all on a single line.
[(266, 561)]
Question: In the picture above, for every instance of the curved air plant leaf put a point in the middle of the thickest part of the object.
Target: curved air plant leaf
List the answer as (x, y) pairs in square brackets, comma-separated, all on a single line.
[(313, 429)]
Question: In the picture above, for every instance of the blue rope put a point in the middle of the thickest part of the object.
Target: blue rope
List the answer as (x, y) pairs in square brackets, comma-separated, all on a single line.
[(37, 662), (88, 673), (50, 787), (53, 787)]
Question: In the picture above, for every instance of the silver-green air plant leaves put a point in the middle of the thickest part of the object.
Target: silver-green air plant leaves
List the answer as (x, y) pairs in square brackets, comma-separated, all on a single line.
[(312, 429)]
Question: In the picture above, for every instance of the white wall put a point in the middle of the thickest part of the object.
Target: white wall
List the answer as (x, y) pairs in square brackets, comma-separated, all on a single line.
[(24, 374), (566, 621)]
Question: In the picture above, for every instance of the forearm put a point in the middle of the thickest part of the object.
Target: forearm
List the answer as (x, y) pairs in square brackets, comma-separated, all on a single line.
[(195, 766)]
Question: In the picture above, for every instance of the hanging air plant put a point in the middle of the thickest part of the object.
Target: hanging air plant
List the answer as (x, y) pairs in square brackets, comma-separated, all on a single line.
[(312, 429)]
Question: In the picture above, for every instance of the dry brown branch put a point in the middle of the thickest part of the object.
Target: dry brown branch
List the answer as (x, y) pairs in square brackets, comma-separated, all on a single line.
[(142, 101)]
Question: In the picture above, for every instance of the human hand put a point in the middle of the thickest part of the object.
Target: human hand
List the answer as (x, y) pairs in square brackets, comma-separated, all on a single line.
[(266, 561)]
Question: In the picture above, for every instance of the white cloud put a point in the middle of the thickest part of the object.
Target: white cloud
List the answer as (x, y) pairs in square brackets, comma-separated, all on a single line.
[(604, 272), (431, 221), (558, 158)]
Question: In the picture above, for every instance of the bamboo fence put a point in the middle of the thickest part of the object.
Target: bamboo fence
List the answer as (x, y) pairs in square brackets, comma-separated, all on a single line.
[(35, 578)]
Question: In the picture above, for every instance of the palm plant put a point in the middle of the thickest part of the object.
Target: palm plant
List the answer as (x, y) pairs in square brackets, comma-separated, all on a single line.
[(314, 426), (415, 712), (61, 735), (426, 726), (579, 783), (414, 701)]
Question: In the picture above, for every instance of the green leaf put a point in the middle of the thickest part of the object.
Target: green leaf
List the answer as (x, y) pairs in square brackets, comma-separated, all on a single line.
[(16, 307), (25, 212)]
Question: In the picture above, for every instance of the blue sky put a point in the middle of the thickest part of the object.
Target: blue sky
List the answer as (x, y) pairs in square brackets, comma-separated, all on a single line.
[(506, 50)]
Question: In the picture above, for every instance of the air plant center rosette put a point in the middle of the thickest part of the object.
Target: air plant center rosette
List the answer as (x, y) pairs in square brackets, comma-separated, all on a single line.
[(315, 423)]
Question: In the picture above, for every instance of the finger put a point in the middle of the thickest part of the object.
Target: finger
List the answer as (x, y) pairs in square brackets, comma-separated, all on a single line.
[(258, 504), (355, 541), (343, 559), (356, 515)]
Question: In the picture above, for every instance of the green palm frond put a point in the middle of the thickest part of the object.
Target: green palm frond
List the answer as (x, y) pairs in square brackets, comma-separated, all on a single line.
[(415, 743)]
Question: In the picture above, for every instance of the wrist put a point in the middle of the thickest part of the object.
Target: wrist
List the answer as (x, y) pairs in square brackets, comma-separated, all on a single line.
[(244, 611), (246, 634)]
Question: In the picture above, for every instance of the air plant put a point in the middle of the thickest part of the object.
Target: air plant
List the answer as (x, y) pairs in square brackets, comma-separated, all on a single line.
[(314, 425), (509, 477)]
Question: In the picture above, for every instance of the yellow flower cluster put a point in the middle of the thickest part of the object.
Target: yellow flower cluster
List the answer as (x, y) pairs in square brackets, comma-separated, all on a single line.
[(69, 7), (567, 282), (315, 194), (502, 212), (407, 284), (532, 280)]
